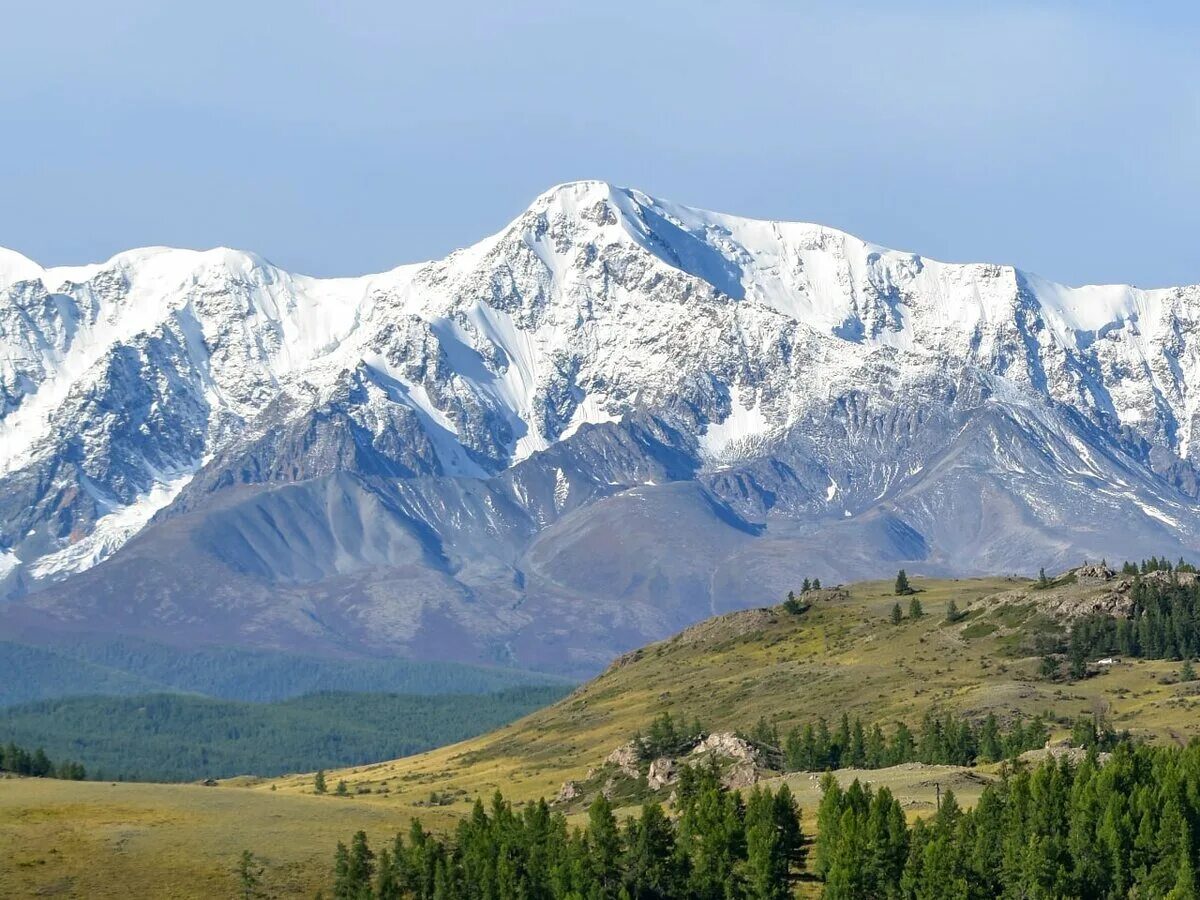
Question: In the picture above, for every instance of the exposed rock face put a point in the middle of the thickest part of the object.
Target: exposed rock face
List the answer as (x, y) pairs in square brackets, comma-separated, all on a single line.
[(1098, 592), (662, 773), (626, 759), (1094, 573), (1070, 602), (728, 745), (568, 792)]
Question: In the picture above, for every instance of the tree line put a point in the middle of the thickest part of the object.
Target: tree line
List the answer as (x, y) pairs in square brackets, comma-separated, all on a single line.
[(940, 740), (1063, 829), (1164, 623), (719, 845), (1123, 829), (37, 764), (943, 739)]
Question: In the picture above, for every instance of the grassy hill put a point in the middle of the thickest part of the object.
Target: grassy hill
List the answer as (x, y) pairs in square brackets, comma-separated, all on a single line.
[(841, 655)]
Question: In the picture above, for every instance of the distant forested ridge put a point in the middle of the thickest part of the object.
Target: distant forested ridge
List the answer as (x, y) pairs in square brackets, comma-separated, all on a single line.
[(1123, 828), (129, 666), (175, 737)]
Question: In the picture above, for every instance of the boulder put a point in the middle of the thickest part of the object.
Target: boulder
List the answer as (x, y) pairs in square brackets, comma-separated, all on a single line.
[(662, 772), (625, 758)]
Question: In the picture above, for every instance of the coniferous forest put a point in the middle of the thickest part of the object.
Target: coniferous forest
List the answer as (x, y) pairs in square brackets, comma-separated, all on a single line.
[(17, 760), (1164, 623), (1124, 828)]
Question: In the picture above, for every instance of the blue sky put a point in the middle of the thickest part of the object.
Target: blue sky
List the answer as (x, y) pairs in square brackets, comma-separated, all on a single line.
[(339, 138)]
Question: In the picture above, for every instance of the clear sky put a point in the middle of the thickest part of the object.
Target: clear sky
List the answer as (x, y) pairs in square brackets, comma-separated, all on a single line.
[(347, 137)]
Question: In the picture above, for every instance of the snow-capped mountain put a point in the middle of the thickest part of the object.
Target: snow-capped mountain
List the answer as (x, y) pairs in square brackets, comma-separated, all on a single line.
[(613, 417)]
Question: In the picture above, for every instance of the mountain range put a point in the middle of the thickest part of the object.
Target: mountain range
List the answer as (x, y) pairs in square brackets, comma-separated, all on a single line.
[(613, 418)]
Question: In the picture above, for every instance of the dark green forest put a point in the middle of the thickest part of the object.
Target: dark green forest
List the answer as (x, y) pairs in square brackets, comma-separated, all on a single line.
[(1124, 828), (16, 760), (175, 737), (941, 739), (131, 666), (1165, 624), (720, 845)]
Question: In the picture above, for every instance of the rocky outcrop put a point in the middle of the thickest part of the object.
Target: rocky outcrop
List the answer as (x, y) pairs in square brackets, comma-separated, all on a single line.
[(626, 759), (723, 628), (728, 745), (568, 792), (1093, 573), (662, 773)]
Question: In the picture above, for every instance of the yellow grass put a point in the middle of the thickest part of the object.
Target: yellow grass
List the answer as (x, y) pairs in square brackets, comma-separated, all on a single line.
[(842, 655)]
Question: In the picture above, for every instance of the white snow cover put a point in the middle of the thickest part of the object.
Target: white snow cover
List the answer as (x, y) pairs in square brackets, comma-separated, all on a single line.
[(596, 301)]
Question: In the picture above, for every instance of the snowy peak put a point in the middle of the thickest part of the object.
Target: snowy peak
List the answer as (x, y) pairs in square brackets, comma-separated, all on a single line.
[(121, 381)]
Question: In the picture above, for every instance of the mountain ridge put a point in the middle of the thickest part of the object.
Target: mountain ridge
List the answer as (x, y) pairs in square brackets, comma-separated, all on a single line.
[(409, 458)]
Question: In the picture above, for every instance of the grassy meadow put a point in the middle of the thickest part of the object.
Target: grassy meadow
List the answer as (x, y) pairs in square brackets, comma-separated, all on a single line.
[(842, 655)]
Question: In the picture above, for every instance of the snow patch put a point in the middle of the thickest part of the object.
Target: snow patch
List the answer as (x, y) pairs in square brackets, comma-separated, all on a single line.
[(111, 532), (738, 432)]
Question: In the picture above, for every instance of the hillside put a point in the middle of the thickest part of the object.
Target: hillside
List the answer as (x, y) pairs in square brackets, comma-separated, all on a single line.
[(842, 654)]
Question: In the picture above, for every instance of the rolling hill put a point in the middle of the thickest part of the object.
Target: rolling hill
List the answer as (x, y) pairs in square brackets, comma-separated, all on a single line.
[(842, 654)]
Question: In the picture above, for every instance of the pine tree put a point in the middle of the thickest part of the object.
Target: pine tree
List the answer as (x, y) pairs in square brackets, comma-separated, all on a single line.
[(902, 585), (360, 867), (319, 782), (1043, 582), (897, 615), (787, 821), (915, 610), (806, 586), (249, 874), (816, 584), (766, 858), (651, 863), (342, 790), (604, 840), (952, 613), (1187, 672)]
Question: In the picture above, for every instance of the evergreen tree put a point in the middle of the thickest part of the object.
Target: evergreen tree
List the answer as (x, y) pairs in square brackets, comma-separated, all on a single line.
[(319, 782), (952, 613), (651, 862), (914, 609), (897, 615), (604, 841), (766, 855), (902, 585), (249, 874), (816, 584)]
